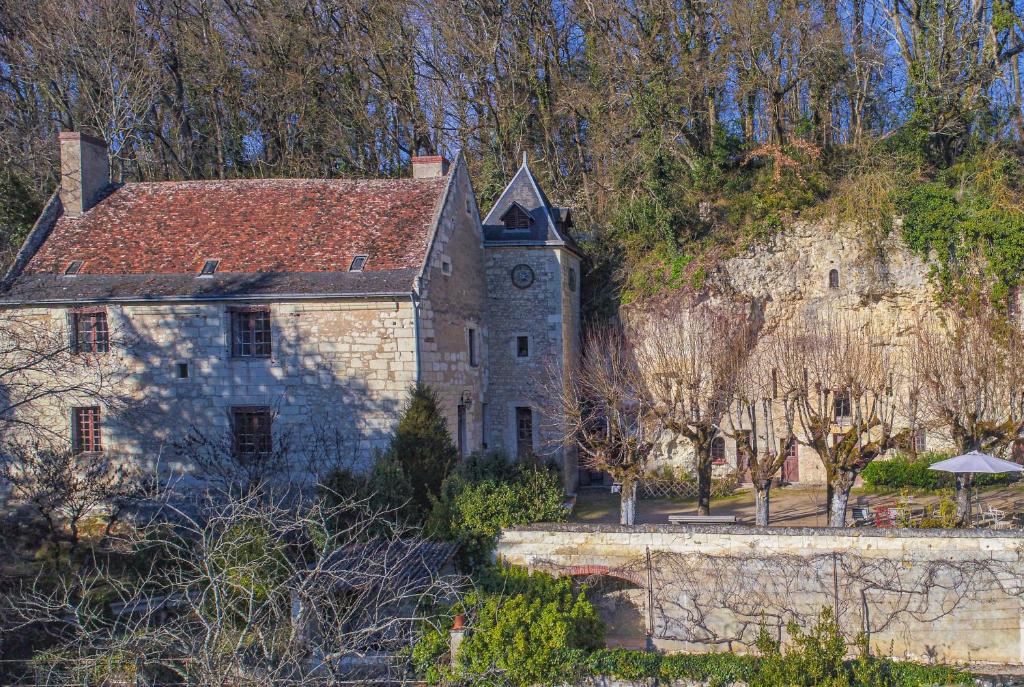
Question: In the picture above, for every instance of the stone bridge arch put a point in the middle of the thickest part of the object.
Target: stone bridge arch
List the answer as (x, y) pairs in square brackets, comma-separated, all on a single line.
[(637, 577)]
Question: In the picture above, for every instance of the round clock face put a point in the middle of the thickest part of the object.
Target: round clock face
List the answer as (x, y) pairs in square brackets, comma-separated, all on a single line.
[(522, 276)]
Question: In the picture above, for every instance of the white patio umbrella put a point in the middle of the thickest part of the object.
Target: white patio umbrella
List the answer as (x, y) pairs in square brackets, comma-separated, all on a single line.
[(968, 464)]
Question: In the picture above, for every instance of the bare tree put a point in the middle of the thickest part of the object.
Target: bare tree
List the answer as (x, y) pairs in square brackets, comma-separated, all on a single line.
[(246, 590), (969, 377), (767, 417), (690, 361), (607, 413), (63, 487), (840, 376), (42, 375)]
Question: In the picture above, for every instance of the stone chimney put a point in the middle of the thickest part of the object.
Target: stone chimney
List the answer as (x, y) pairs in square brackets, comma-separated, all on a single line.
[(429, 166), (84, 171)]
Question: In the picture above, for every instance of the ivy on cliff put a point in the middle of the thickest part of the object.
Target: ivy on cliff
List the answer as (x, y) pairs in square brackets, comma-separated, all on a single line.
[(969, 222)]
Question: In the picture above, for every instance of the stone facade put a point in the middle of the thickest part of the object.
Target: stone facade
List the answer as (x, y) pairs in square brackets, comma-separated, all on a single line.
[(925, 595), (346, 346), (547, 315), (337, 366), (452, 309)]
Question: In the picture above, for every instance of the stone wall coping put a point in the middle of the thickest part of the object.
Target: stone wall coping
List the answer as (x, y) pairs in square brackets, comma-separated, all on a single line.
[(747, 530)]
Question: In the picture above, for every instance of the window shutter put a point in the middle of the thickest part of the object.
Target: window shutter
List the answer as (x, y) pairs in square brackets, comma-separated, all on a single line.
[(73, 419), (72, 332)]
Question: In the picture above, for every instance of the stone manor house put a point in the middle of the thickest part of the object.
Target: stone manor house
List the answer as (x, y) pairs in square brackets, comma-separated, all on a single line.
[(249, 309)]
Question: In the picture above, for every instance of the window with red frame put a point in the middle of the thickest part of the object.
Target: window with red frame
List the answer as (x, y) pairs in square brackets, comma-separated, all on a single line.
[(250, 333), (251, 431), (86, 430), (89, 332), (718, 451)]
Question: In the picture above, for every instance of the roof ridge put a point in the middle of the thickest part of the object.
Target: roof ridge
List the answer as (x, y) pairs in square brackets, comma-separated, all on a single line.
[(168, 182)]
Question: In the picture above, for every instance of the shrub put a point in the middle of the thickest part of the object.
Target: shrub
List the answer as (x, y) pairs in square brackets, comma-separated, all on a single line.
[(524, 626), (386, 488), (904, 472), (815, 657), (488, 493)]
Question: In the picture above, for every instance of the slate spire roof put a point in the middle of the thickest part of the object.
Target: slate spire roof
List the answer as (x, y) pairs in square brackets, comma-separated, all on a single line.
[(549, 225)]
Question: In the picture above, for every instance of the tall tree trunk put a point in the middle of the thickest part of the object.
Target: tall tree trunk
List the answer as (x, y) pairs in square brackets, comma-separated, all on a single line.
[(840, 498), (704, 487), (627, 503), (963, 498), (830, 493), (761, 502)]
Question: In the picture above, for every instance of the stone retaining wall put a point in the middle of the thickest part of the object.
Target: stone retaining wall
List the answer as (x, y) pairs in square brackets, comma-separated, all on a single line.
[(953, 596)]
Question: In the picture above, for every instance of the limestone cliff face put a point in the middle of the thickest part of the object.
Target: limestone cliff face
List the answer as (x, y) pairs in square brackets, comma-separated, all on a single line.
[(787, 277), (878, 277)]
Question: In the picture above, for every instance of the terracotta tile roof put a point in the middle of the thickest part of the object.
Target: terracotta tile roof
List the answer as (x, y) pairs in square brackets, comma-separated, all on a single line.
[(262, 225)]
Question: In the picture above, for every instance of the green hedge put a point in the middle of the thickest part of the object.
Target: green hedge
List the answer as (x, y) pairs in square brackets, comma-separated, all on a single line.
[(904, 472), (722, 669), (539, 632)]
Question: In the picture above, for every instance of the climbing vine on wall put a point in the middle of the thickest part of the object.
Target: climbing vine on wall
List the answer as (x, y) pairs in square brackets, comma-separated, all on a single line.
[(970, 222)]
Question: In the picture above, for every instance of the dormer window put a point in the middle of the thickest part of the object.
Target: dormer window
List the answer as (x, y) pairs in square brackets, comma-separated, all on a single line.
[(357, 263), (73, 268), (209, 267), (516, 218)]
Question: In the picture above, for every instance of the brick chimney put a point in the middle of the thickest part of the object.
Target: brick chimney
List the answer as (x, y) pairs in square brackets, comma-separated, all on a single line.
[(84, 171), (458, 633), (429, 166)]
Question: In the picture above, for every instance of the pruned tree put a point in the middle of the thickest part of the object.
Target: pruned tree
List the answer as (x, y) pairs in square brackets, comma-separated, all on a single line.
[(968, 375), (767, 418), (245, 590), (690, 362), (608, 414), (840, 376)]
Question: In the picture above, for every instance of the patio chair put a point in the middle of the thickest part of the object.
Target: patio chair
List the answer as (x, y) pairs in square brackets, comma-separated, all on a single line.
[(883, 517), (861, 516), (992, 516)]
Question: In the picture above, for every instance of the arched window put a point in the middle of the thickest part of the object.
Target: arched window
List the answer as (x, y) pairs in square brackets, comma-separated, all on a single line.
[(833, 279), (718, 451)]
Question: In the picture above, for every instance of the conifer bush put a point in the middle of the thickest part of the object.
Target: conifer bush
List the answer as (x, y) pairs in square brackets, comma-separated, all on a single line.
[(422, 446)]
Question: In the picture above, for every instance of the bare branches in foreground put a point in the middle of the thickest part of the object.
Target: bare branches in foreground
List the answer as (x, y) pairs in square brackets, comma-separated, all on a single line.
[(242, 591), (841, 377)]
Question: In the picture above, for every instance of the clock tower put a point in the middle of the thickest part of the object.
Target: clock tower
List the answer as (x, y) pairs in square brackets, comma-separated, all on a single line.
[(533, 322)]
